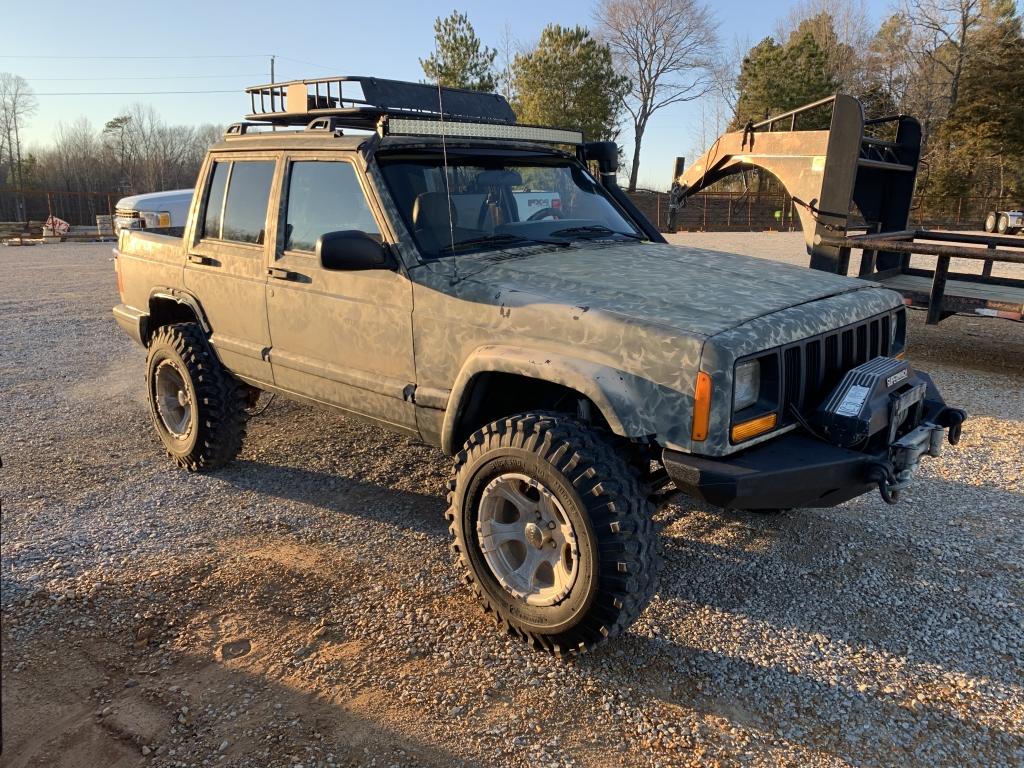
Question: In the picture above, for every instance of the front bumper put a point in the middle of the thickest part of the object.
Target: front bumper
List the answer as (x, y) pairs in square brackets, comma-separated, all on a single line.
[(795, 470), (801, 470)]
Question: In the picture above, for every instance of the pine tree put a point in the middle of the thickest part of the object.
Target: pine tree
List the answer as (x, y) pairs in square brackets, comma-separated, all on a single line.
[(774, 78), (459, 59), (983, 137), (568, 80)]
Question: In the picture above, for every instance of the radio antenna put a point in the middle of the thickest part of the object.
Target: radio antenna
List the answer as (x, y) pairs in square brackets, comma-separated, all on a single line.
[(447, 184)]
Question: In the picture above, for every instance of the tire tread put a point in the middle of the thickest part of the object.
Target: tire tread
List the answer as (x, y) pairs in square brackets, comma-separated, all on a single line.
[(619, 511)]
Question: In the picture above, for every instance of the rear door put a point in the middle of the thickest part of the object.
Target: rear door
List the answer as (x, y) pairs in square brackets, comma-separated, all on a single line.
[(339, 337), (226, 268)]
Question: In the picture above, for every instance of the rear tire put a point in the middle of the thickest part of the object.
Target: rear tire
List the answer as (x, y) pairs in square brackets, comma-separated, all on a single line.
[(990, 221), (535, 480), (1003, 224), (198, 407)]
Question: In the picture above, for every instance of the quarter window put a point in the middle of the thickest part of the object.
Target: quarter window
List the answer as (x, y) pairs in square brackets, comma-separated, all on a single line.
[(324, 197), (215, 200)]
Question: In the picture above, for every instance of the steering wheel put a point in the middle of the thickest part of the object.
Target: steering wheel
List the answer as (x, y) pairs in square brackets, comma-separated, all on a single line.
[(543, 213)]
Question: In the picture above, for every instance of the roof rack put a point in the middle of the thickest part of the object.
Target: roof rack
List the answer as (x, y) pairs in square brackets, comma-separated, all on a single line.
[(360, 102)]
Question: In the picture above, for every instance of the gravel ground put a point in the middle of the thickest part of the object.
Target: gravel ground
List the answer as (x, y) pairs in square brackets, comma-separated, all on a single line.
[(300, 608)]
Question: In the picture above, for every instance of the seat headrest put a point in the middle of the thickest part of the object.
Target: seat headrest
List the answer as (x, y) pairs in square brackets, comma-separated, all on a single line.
[(432, 209)]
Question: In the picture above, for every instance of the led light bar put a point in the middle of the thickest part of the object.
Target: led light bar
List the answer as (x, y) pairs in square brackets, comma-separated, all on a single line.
[(404, 126)]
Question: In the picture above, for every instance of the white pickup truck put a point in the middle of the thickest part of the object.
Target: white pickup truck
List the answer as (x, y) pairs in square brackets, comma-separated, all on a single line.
[(153, 210)]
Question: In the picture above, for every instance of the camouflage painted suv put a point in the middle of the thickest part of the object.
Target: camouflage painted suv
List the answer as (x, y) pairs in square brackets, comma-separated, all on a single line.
[(469, 280)]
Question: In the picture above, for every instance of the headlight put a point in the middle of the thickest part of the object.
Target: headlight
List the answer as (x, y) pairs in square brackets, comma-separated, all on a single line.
[(156, 219), (747, 385)]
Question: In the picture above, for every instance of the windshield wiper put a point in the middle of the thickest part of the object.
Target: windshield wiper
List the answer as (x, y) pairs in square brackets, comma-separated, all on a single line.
[(497, 239), (592, 230)]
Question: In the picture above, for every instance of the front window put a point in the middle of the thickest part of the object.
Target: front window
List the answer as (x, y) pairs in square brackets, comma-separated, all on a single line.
[(487, 202), (324, 197)]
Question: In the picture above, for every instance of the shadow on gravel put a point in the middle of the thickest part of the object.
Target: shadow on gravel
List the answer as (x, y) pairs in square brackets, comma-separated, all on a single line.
[(854, 726), (973, 343), (104, 701), (416, 511), (817, 572), (938, 601)]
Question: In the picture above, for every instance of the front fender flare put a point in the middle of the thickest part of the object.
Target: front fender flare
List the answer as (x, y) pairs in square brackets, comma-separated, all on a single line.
[(621, 398)]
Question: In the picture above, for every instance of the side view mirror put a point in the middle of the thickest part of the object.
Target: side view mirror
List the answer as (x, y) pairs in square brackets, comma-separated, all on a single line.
[(604, 153), (352, 249)]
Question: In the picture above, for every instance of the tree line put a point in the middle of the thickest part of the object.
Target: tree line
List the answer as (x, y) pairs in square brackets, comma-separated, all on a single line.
[(957, 65), (641, 56), (133, 152)]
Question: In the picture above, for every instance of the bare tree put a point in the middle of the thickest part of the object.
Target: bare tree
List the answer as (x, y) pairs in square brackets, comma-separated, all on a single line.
[(943, 42), (135, 152), (667, 50), (17, 104), (718, 108), (508, 47)]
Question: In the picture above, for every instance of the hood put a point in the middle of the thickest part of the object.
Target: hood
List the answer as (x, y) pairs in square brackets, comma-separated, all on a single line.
[(151, 199), (694, 290)]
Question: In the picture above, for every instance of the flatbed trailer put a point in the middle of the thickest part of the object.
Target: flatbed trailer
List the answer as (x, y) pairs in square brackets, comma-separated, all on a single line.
[(866, 167), (938, 290)]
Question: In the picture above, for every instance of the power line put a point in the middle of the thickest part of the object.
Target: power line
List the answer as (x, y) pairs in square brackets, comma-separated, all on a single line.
[(148, 77), (100, 58), (125, 93), (307, 63)]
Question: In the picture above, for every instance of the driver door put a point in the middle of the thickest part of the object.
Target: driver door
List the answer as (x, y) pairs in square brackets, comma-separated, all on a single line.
[(342, 337)]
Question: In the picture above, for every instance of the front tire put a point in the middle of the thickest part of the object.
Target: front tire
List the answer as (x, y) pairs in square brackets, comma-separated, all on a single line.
[(552, 530), (198, 407)]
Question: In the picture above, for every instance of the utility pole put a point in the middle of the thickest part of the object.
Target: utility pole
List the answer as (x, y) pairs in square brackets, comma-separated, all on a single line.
[(272, 57)]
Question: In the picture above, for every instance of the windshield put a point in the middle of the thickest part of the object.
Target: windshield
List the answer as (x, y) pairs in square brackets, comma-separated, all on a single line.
[(489, 202)]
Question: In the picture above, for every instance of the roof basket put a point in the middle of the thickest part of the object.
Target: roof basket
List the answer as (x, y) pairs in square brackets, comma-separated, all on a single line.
[(360, 102)]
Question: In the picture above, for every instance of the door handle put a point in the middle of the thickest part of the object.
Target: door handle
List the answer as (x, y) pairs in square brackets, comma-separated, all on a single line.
[(206, 261), (282, 274)]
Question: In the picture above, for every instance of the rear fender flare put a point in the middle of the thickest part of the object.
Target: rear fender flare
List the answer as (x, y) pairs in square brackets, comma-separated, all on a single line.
[(183, 298)]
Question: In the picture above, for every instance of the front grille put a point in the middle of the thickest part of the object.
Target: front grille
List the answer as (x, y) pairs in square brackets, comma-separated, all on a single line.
[(127, 213), (812, 367)]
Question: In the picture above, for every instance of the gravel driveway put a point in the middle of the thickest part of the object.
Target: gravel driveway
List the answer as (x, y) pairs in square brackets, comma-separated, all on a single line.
[(300, 608)]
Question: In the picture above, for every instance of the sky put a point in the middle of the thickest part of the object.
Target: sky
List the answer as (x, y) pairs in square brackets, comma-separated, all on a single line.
[(195, 45)]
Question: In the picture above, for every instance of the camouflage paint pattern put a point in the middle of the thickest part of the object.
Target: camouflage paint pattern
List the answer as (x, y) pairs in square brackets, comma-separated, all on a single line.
[(628, 325)]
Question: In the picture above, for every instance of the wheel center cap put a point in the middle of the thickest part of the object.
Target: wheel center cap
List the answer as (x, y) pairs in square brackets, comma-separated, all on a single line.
[(534, 535), (182, 398)]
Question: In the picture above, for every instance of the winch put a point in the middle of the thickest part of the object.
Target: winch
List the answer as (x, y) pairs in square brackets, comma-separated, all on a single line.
[(885, 403)]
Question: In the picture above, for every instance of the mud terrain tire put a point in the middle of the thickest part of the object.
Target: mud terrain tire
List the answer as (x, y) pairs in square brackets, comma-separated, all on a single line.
[(198, 407), (599, 494)]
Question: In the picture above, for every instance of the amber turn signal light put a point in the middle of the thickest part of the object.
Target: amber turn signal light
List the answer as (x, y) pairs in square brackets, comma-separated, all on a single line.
[(701, 407), (754, 427)]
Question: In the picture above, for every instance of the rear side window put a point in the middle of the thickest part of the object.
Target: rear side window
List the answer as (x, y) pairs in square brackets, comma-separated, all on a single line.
[(324, 197), (244, 205), (215, 200)]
